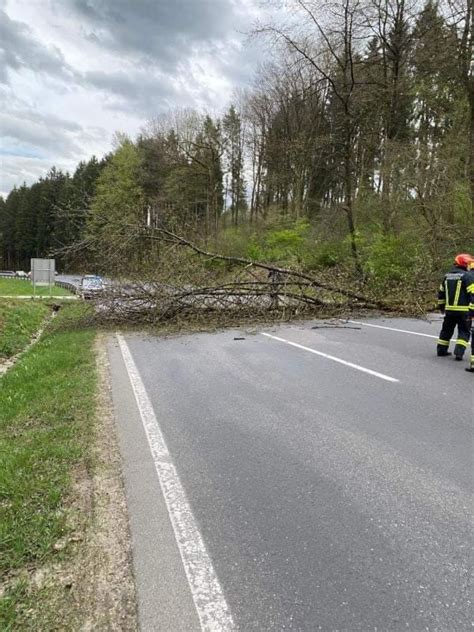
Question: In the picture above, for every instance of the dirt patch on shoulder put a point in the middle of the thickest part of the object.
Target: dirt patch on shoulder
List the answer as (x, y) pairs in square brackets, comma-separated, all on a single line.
[(104, 587)]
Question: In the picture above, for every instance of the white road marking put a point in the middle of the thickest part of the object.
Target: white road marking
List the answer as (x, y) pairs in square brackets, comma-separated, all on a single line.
[(330, 357), (403, 331), (212, 609)]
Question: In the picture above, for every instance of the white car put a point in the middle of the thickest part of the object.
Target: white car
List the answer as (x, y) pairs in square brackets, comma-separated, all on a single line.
[(91, 286)]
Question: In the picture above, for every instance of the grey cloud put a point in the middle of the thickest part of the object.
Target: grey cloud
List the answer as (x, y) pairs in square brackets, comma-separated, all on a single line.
[(154, 37), (161, 31), (3, 70), (18, 169), (149, 92), (169, 52), (40, 134), (140, 90), (31, 142), (19, 49), (240, 63)]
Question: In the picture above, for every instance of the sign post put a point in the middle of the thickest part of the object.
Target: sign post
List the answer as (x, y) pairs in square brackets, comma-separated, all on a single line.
[(42, 273)]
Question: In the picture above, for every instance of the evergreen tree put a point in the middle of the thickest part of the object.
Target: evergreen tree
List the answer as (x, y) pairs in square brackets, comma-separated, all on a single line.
[(234, 150)]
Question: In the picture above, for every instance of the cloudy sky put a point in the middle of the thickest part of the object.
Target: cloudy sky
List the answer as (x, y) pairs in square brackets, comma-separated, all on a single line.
[(72, 72)]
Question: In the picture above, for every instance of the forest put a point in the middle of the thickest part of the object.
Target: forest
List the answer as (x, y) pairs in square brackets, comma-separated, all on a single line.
[(353, 148)]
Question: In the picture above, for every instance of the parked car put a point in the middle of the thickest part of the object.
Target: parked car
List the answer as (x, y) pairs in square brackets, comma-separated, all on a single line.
[(91, 286), (7, 273)]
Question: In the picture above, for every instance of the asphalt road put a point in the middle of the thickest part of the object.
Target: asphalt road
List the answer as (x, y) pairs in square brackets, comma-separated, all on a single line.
[(327, 497)]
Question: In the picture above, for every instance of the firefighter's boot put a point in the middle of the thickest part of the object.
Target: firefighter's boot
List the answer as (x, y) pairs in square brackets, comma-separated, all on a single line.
[(443, 351), (459, 350)]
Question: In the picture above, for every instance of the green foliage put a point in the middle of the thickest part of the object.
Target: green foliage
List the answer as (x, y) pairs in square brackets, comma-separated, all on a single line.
[(238, 242), (462, 205), (281, 245), (390, 259), (289, 239), (118, 197), (257, 252), (117, 207), (327, 254), (286, 244), (20, 287)]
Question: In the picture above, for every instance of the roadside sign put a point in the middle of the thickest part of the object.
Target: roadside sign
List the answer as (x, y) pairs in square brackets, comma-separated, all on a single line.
[(42, 273)]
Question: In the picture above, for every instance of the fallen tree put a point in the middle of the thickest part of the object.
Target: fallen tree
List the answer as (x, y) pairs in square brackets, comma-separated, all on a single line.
[(183, 280)]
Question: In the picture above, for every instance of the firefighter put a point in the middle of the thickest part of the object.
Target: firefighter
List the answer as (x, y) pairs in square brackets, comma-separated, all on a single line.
[(470, 288), (454, 298)]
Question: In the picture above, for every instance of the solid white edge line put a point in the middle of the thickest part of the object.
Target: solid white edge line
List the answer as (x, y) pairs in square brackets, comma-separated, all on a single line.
[(209, 601), (334, 359), (402, 331)]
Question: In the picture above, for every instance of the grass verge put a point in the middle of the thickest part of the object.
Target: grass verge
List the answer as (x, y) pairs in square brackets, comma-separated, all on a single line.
[(18, 322), (18, 287), (47, 411)]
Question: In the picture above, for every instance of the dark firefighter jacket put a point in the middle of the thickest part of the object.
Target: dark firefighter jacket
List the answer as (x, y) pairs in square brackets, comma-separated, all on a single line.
[(456, 292)]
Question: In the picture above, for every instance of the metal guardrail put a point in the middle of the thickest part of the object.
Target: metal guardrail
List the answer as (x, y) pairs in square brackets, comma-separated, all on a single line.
[(66, 285)]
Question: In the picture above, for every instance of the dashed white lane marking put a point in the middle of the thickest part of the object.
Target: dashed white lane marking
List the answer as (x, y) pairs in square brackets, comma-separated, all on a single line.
[(212, 609), (403, 331), (382, 376)]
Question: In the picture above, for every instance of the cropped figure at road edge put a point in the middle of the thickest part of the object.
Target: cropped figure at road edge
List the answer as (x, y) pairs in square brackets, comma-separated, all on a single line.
[(456, 294), (275, 279), (470, 287)]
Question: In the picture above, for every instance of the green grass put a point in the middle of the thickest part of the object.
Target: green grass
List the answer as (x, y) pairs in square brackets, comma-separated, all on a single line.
[(18, 322), (47, 408), (18, 287)]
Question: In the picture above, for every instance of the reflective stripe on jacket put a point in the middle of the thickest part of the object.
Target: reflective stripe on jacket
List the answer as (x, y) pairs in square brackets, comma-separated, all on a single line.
[(456, 292)]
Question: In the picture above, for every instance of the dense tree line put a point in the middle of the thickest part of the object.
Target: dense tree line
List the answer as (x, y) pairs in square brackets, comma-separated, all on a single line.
[(371, 112), (48, 215), (363, 125)]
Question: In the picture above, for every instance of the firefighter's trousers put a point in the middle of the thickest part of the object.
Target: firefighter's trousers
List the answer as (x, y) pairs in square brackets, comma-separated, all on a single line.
[(463, 322)]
